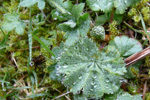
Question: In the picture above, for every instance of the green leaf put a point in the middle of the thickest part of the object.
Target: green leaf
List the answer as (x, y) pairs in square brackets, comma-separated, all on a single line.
[(104, 5), (77, 24), (73, 32), (126, 46), (62, 7), (120, 95), (77, 11), (107, 5), (88, 70), (12, 22), (102, 19), (29, 3), (80, 97), (132, 70)]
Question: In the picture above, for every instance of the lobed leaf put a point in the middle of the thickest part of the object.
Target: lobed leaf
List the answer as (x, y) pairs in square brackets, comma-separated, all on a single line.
[(29, 3), (12, 22), (107, 5), (87, 69), (120, 95), (126, 46)]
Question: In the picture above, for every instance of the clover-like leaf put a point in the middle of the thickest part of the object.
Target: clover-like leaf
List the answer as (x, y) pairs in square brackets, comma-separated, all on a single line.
[(29, 3), (120, 95), (87, 69), (126, 46), (12, 22), (107, 5)]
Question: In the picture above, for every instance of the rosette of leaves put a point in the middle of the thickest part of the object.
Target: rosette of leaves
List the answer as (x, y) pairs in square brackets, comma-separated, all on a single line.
[(127, 47), (11, 22), (76, 23), (107, 5), (98, 32), (29, 3), (120, 95), (88, 70)]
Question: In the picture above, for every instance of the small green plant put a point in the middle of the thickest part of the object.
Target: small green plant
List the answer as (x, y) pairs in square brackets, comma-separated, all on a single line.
[(74, 50)]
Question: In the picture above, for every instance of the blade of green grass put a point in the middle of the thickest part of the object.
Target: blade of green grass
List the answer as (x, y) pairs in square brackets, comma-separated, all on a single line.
[(2, 31), (5, 39), (143, 25), (36, 79), (7, 95), (38, 39)]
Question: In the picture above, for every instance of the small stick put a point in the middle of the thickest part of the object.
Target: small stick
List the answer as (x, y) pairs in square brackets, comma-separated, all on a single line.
[(61, 95), (137, 56), (144, 90)]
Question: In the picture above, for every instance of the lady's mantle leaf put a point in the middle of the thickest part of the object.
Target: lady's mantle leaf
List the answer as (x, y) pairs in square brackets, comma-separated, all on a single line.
[(120, 95), (107, 5), (29, 3), (12, 22), (126, 46), (87, 69)]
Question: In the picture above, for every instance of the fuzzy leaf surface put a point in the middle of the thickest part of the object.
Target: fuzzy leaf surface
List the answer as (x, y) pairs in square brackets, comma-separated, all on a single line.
[(73, 33), (29, 3), (126, 46), (87, 69), (12, 22), (120, 95), (107, 5), (76, 24)]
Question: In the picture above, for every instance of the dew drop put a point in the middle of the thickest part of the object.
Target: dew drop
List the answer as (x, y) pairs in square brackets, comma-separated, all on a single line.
[(80, 77), (94, 77), (65, 66), (4, 89), (91, 89), (92, 83), (74, 83), (107, 81), (95, 86)]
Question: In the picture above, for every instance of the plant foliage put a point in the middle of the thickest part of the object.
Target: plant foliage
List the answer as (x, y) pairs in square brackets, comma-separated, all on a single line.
[(12, 22), (89, 70), (120, 95), (76, 23), (29, 3), (107, 5), (126, 46)]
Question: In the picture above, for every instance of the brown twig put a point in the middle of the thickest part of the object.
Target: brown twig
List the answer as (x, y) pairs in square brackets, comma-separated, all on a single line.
[(144, 90), (137, 56)]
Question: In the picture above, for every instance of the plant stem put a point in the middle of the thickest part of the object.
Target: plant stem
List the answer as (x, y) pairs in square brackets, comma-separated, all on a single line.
[(30, 38)]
